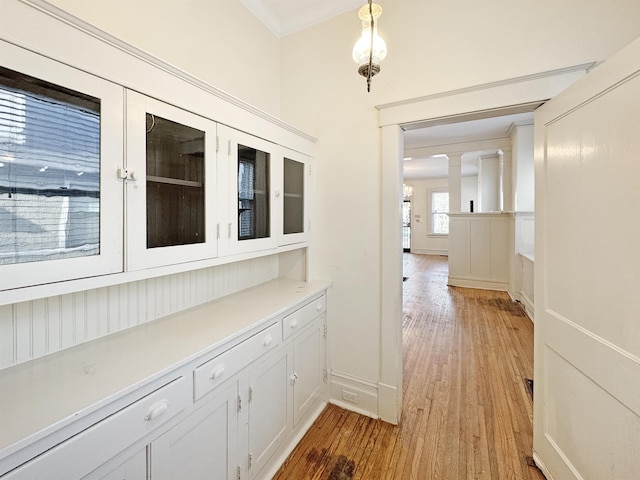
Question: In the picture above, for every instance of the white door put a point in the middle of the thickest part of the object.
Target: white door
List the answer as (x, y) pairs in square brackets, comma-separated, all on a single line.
[(587, 268)]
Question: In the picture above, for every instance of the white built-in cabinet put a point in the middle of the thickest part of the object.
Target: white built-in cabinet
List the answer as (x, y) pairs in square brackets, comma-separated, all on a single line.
[(145, 183), (226, 413)]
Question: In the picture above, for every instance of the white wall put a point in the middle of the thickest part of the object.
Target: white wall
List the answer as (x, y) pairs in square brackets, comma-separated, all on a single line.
[(469, 192), (522, 172), (421, 240), (433, 47), (218, 41), (489, 184)]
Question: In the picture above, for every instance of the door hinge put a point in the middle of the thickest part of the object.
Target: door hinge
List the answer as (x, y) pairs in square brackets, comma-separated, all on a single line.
[(218, 231), (324, 330), (229, 148), (217, 144), (250, 395), (250, 460), (239, 475), (324, 375), (239, 403)]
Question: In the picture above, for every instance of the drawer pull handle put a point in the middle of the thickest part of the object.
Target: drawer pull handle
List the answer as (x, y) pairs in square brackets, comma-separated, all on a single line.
[(157, 410), (217, 373), (294, 323), (267, 340)]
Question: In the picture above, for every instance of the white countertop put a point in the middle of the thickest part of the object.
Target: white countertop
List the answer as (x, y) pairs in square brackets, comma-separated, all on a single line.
[(48, 393)]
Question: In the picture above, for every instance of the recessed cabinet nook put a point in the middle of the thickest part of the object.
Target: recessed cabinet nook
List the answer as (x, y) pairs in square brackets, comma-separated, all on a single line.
[(161, 229)]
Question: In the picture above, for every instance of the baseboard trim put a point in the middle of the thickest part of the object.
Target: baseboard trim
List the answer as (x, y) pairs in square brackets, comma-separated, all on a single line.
[(478, 283), (540, 464), (367, 395), (426, 251), (528, 305)]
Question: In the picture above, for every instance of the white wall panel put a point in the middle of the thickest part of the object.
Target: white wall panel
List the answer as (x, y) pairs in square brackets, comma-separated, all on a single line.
[(32, 329)]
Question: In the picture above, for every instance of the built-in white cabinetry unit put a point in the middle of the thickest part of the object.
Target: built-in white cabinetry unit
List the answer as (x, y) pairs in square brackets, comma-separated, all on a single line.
[(170, 182), (216, 392), (61, 142), (130, 193)]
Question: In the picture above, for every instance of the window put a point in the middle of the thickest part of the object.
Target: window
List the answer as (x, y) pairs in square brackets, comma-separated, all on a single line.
[(253, 193), (49, 171), (439, 209)]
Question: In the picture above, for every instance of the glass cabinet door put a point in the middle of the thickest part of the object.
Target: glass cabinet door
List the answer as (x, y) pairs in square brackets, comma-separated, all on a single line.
[(61, 141), (250, 173), (170, 184), (295, 197)]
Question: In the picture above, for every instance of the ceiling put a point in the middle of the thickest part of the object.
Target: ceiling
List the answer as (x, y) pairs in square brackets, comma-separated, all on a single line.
[(446, 137), (284, 17)]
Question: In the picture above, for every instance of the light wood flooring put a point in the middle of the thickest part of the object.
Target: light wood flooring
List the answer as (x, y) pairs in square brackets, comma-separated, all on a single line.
[(467, 412)]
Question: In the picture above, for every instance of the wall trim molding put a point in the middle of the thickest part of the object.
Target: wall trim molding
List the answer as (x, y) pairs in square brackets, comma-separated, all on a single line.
[(528, 305), (513, 95), (583, 67), (430, 251)]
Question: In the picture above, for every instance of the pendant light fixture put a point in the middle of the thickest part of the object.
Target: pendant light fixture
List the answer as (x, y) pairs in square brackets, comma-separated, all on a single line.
[(370, 49)]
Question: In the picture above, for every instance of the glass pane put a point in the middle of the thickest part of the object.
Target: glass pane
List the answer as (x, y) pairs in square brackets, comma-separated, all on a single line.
[(253, 193), (175, 183), (406, 225), (293, 196), (439, 207), (49, 171)]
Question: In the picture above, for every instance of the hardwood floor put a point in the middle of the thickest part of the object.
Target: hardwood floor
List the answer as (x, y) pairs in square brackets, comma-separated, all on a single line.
[(467, 412)]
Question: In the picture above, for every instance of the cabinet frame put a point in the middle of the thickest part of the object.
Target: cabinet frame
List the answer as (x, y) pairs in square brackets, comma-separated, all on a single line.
[(137, 255)]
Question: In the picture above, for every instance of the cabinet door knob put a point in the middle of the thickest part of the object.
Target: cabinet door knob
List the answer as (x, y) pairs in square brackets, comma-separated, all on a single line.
[(217, 372), (294, 323), (267, 340), (318, 307), (294, 378), (157, 410)]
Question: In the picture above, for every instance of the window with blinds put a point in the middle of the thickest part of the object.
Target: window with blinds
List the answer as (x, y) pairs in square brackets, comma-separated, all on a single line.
[(253, 193), (49, 171)]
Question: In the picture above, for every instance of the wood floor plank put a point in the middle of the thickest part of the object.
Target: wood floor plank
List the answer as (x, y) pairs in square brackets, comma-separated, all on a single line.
[(466, 413)]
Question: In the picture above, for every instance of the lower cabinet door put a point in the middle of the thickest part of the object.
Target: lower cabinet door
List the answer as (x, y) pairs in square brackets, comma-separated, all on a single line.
[(135, 468), (308, 366), (269, 408), (204, 445)]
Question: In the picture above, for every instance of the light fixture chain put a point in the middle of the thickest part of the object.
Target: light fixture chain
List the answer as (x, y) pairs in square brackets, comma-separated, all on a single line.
[(371, 48)]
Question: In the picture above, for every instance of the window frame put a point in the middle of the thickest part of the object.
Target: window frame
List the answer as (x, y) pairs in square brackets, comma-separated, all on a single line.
[(432, 213)]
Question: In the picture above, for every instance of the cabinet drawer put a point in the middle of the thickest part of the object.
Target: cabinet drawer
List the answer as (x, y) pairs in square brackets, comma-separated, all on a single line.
[(86, 451), (303, 316), (209, 375)]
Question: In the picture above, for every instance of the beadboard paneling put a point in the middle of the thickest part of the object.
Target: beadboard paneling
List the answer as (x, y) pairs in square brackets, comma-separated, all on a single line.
[(32, 329)]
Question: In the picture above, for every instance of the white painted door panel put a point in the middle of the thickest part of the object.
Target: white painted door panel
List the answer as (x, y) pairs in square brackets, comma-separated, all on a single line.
[(203, 446), (587, 268), (308, 362)]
